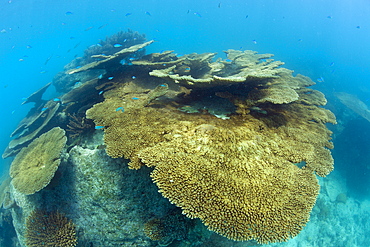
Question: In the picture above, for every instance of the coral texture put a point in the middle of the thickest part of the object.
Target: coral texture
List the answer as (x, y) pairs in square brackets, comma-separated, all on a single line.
[(50, 229), (35, 165)]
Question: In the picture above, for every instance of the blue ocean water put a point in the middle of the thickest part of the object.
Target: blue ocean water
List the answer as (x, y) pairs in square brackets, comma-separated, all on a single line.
[(326, 40)]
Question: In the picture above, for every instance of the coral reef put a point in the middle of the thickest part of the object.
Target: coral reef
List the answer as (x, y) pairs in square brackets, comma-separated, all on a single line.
[(172, 226), (234, 143), (237, 175), (106, 61), (64, 82), (4, 192), (35, 165), (355, 104), (198, 70), (114, 43), (31, 126), (51, 229), (78, 126)]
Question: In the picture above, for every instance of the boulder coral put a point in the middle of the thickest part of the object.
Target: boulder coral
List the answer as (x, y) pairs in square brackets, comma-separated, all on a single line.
[(35, 165)]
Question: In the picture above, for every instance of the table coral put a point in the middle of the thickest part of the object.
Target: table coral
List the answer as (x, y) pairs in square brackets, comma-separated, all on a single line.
[(238, 175), (35, 165)]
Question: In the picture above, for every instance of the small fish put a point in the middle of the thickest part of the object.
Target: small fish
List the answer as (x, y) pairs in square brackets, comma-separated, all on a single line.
[(98, 127), (56, 99), (77, 67), (321, 79), (120, 109), (43, 71), (124, 40), (299, 40), (102, 26), (100, 76), (133, 77), (329, 17), (47, 60), (147, 13), (76, 45), (101, 92), (110, 77), (197, 14), (135, 98), (71, 37), (28, 47), (13, 112), (188, 11), (44, 109), (219, 5), (358, 27), (331, 64), (89, 28), (228, 60), (77, 83), (246, 16), (117, 45), (254, 41), (21, 60), (163, 85), (68, 13), (187, 68), (128, 14)]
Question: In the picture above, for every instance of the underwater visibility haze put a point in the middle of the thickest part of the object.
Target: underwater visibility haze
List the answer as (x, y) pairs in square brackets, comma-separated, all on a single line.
[(185, 123)]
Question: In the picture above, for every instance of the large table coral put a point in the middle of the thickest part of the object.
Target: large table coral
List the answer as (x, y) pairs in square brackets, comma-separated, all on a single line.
[(35, 165), (240, 174)]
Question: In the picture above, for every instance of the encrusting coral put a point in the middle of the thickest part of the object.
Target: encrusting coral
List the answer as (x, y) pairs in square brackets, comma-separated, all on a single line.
[(35, 165), (238, 175), (51, 229)]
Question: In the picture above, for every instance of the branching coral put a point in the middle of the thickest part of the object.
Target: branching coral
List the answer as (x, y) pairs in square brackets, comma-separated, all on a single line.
[(78, 126), (51, 229), (35, 165)]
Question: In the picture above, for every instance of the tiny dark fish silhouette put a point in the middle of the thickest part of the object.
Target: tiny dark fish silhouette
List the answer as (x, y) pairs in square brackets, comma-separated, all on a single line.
[(102, 26), (219, 5), (147, 13), (47, 60), (89, 28), (69, 13), (128, 14)]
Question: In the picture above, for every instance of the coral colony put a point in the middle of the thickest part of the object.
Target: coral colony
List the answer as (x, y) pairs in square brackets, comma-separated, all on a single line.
[(235, 142)]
